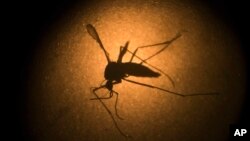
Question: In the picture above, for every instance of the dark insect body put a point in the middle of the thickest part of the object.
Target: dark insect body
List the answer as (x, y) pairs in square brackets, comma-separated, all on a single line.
[(117, 71)]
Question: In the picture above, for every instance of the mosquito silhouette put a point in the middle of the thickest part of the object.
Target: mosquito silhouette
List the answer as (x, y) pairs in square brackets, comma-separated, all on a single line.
[(117, 71)]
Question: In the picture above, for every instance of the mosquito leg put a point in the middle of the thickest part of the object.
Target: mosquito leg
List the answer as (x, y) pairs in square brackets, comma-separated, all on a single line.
[(110, 96), (103, 86), (96, 88), (102, 82), (116, 101), (133, 54), (166, 43), (171, 92), (109, 112)]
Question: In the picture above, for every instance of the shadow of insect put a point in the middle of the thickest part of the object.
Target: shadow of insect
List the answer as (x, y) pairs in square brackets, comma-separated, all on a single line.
[(117, 71)]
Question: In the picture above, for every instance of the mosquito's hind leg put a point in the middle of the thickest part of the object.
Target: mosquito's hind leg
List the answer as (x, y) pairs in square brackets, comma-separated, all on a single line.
[(171, 92), (166, 43)]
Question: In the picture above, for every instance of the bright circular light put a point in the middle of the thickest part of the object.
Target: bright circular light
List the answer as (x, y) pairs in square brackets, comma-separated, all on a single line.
[(206, 58)]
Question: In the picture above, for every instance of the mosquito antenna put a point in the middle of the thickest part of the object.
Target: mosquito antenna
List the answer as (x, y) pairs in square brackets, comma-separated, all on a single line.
[(171, 92), (93, 33)]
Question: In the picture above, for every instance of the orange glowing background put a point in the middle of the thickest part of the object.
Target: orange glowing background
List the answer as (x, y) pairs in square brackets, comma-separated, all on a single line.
[(69, 62)]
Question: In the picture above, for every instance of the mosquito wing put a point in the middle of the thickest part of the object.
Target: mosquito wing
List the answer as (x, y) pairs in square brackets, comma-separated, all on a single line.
[(93, 33)]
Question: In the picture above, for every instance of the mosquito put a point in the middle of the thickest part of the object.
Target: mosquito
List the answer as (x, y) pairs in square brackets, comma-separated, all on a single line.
[(117, 71)]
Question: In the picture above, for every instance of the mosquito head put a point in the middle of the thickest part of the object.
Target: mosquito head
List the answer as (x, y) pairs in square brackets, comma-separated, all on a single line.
[(109, 85)]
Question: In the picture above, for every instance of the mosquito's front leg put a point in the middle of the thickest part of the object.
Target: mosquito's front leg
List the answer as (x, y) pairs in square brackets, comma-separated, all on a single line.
[(104, 86), (110, 96), (109, 112), (116, 101)]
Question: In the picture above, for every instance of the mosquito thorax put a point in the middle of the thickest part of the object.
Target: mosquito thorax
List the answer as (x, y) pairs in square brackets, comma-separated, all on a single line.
[(114, 71)]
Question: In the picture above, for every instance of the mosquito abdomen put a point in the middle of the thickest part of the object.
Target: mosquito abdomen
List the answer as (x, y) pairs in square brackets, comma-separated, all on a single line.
[(139, 70)]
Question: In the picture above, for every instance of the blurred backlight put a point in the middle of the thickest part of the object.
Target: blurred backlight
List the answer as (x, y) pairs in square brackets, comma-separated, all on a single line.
[(206, 58)]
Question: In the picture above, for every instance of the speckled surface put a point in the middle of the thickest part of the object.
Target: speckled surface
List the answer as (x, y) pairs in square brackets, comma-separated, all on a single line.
[(69, 62)]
